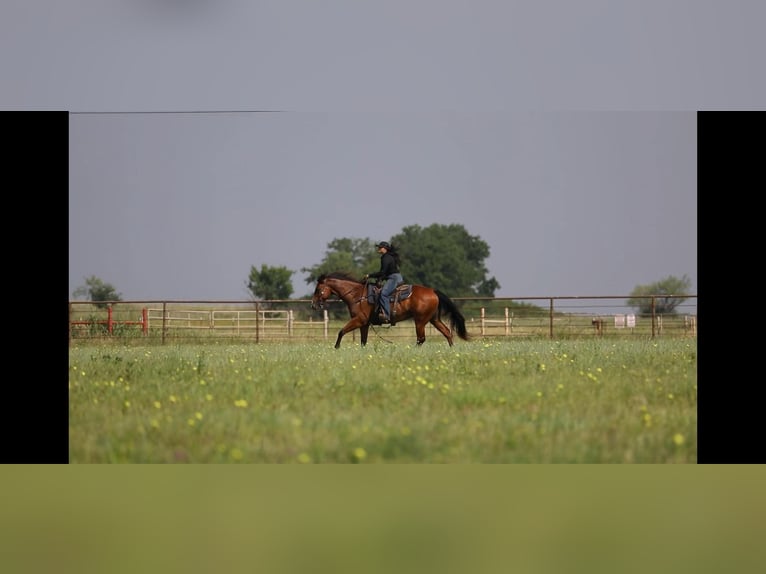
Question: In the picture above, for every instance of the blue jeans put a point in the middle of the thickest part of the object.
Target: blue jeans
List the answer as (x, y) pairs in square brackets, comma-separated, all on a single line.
[(393, 281)]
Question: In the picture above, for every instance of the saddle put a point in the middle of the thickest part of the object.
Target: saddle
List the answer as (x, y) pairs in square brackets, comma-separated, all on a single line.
[(403, 291), (400, 293)]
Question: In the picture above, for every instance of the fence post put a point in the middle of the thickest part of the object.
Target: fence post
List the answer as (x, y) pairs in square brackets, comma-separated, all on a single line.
[(598, 325), (507, 322), (257, 322), (550, 320), (482, 321), (164, 320), (109, 318), (690, 324), (145, 321)]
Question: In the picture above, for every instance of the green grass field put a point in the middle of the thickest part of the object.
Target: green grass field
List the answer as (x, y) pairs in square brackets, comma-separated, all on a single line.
[(483, 401)]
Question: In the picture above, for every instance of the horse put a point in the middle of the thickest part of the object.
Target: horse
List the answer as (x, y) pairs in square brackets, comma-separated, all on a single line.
[(417, 302)]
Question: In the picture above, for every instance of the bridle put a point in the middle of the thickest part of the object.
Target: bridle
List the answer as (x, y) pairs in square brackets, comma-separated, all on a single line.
[(319, 293), (323, 298)]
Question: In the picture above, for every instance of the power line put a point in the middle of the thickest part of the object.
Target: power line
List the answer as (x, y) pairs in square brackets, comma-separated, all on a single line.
[(179, 112)]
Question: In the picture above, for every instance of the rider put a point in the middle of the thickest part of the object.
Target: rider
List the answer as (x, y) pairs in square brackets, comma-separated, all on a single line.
[(389, 271)]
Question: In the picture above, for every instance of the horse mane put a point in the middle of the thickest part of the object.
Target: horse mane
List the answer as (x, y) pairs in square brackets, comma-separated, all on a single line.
[(339, 275)]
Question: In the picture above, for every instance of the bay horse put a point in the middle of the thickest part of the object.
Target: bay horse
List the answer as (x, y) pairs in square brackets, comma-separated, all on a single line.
[(417, 302)]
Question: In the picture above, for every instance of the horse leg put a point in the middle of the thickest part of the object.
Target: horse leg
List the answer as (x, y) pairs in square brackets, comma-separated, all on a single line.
[(354, 323), (420, 332), (443, 329), (363, 330)]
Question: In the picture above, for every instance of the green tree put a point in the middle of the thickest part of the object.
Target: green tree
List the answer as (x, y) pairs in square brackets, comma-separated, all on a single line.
[(669, 294), (354, 256), (270, 282), (445, 257), (97, 291)]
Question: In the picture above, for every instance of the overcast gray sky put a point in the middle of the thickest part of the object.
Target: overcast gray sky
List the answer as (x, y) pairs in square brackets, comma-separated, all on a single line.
[(179, 206), (561, 133)]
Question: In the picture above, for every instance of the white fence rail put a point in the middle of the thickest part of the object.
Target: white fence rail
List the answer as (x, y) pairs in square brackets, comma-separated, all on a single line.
[(265, 323), (282, 320)]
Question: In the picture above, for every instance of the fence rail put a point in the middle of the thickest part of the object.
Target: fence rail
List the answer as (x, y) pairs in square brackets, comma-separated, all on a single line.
[(293, 320)]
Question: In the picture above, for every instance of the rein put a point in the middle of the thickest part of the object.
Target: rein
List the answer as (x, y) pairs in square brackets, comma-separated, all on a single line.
[(348, 293), (356, 301)]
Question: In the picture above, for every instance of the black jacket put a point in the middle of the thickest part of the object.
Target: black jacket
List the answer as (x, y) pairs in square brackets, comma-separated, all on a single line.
[(388, 265)]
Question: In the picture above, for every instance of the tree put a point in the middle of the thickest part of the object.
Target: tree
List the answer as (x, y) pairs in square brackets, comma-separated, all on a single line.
[(447, 258), (354, 256), (270, 282), (97, 290), (669, 294)]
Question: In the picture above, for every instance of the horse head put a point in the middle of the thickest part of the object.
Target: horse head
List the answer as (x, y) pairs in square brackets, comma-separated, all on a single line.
[(321, 293)]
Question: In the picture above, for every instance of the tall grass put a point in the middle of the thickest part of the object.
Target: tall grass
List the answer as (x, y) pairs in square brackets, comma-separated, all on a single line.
[(493, 401)]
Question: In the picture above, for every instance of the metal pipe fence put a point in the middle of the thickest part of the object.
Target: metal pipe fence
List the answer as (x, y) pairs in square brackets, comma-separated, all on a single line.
[(167, 322)]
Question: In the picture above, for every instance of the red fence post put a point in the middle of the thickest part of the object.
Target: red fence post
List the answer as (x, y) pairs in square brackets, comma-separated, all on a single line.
[(145, 321), (109, 318)]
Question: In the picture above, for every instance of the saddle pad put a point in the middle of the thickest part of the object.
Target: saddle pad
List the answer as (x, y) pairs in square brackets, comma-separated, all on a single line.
[(402, 292)]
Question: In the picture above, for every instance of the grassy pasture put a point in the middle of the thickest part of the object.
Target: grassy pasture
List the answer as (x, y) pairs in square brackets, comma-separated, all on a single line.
[(499, 400)]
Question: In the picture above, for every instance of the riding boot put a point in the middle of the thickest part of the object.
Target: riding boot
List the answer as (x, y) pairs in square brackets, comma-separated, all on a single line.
[(377, 317), (382, 315)]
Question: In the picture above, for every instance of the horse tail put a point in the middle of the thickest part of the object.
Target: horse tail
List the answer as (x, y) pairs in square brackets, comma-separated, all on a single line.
[(457, 321)]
